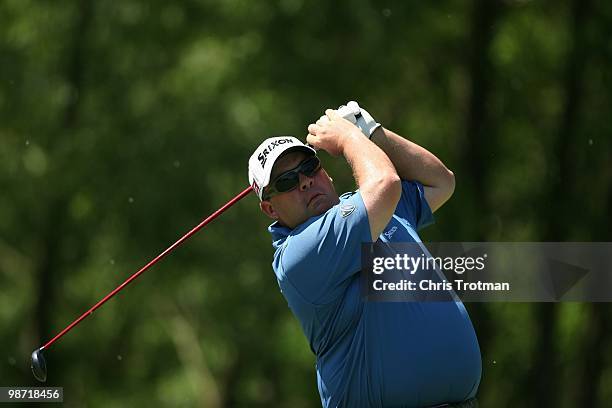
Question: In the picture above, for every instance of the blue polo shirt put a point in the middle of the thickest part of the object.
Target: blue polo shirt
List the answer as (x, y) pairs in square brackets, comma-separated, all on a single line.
[(372, 354)]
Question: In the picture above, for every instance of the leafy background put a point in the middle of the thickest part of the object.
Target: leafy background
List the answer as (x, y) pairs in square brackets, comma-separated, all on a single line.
[(123, 124)]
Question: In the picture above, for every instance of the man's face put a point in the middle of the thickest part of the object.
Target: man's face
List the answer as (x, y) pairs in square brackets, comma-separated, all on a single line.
[(313, 195)]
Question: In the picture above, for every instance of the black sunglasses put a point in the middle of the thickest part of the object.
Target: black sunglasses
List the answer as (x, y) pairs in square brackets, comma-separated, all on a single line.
[(290, 179)]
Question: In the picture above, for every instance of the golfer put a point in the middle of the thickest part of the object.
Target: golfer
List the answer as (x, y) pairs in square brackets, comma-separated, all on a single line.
[(368, 354)]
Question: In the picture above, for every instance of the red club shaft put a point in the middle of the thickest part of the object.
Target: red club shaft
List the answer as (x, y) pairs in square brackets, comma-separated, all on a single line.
[(150, 264)]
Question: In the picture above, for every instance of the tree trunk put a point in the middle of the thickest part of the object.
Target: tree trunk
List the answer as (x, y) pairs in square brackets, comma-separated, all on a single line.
[(53, 226), (476, 148), (556, 208), (593, 354)]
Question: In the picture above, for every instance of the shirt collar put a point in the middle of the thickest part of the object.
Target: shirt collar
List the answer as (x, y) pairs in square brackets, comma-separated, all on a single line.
[(279, 233)]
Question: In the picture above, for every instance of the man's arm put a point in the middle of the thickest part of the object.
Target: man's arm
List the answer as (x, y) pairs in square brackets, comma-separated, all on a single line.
[(414, 162), (378, 182)]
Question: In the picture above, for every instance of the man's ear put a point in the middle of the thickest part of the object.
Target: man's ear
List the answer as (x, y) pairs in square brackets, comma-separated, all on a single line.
[(268, 209)]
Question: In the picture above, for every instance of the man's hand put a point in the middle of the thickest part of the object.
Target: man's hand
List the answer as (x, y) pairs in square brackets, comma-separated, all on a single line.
[(331, 132), (360, 117)]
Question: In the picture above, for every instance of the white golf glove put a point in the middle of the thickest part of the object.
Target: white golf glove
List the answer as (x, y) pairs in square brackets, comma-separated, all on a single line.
[(360, 117)]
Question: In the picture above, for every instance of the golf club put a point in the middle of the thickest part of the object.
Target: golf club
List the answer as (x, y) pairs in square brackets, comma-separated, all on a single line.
[(39, 365)]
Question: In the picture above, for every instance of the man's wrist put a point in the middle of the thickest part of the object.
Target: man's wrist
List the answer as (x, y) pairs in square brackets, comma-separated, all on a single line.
[(354, 136)]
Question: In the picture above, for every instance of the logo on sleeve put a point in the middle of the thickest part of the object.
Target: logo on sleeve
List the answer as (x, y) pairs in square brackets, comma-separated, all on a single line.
[(346, 210), (390, 233)]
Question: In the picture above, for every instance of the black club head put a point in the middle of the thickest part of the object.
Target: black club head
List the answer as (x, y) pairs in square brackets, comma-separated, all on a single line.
[(39, 365)]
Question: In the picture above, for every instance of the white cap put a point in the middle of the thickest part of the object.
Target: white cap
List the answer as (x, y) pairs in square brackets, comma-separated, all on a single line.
[(266, 154)]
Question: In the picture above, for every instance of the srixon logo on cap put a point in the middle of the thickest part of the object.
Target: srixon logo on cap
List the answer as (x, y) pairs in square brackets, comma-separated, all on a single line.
[(263, 156)]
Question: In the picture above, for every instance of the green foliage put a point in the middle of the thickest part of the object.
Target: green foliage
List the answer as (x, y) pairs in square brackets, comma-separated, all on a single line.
[(123, 124)]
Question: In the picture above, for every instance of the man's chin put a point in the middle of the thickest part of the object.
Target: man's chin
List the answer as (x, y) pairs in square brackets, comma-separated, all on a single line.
[(321, 206)]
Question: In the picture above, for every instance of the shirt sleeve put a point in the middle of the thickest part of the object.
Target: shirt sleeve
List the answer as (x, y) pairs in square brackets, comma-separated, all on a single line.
[(413, 206), (321, 258)]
